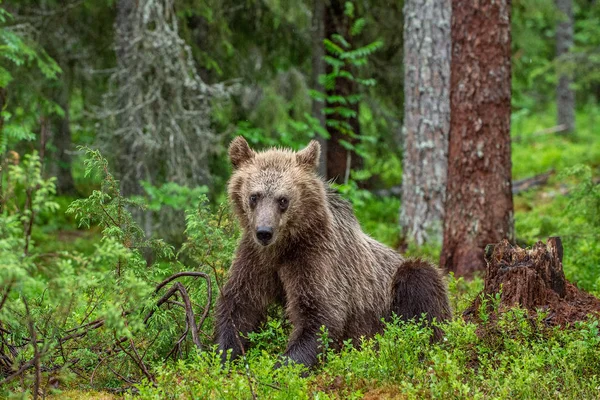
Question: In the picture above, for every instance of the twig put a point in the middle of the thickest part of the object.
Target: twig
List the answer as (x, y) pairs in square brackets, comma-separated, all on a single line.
[(7, 291), (95, 369), (139, 363), (36, 353), (97, 324), (163, 299), (141, 360), (246, 365), (181, 339), (18, 373), (120, 376)]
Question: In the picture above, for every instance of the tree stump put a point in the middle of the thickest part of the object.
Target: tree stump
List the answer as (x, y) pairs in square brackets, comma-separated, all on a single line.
[(534, 280)]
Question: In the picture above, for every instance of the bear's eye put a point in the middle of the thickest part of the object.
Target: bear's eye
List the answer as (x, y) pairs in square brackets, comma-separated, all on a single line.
[(283, 203), (253, 200)]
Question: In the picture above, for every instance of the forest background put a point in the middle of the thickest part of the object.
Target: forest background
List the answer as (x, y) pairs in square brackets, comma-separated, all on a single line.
[(115, 120)]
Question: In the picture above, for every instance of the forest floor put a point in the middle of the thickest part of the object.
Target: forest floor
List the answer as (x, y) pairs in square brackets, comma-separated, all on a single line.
[(516, 357)]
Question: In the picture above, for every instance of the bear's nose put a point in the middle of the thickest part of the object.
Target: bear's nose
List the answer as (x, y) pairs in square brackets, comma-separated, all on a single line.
[(264, 234)]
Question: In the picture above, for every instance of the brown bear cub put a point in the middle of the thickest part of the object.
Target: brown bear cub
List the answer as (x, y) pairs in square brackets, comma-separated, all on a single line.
[(303, 247)]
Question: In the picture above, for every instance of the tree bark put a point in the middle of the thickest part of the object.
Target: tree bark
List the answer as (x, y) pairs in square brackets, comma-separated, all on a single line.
[(426, 118), (565, 96), (124, 34), (62, 138), (340, 160), (318, 68), (479, 206)]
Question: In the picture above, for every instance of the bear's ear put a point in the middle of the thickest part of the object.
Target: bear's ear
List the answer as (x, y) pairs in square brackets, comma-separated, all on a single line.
[(240, 152), (309, 156)]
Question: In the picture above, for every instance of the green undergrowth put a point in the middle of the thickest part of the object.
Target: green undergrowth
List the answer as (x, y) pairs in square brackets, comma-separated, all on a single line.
[(535, 152), (75, 272), (519, 359), (568, 205)]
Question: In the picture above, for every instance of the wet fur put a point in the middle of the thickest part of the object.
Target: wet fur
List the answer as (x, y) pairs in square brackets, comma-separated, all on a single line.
[(321, 266)]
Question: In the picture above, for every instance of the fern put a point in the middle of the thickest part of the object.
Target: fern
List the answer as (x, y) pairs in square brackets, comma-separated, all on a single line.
[(17, 52), (345, 60)]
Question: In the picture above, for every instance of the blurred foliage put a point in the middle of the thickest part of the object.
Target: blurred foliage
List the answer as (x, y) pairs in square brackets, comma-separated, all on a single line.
[(87, 308)]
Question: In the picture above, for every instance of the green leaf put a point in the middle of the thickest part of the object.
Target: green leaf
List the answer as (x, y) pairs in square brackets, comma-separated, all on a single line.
[(332, 47), (341, 40), (357, 27)]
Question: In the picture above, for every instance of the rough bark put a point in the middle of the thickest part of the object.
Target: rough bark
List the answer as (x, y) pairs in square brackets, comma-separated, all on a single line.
[(318, 68), (479, 206), (565, 96), (533, 280), (124, 34), (337, 156), (62, 140), (426, 118), (2, 163)]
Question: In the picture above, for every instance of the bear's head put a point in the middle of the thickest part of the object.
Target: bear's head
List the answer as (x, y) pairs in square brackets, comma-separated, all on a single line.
[(277, 194)]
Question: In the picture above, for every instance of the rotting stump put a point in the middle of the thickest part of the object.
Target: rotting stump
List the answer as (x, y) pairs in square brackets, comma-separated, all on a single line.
[(533, 279)]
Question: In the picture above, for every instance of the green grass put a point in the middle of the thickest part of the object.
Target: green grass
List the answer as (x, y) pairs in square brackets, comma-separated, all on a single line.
[(537, 154)]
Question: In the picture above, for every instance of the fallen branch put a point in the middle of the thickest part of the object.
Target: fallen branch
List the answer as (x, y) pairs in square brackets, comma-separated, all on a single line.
[(548, 131), (16, 374), (394, 191), (528, 183), (177, 288)]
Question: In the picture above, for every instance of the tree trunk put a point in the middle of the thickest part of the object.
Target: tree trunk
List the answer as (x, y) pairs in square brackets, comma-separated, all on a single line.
[(533, 280), (62, 139), (124, 34), (479, 206), (318, 68), (426, 118), (340, 160), (2, 161), (565, 96)]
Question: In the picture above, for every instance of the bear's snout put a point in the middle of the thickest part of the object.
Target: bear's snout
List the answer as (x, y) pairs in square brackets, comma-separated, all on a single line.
[(264, 234)]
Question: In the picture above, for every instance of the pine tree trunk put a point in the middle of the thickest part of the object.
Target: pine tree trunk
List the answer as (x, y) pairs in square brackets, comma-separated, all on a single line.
[(426, 118), (318, 68), (123, 36), (339, 160), (62, 140), (479, 207), (565, 96)]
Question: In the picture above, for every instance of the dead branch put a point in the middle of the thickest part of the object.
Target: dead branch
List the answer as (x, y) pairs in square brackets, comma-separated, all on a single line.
[(548, 131), (189, 312), (528, 183), (82, 330), (7, 292), (177, 346), (246, 365), (16, 374), (138, 361), (180, 274), (36, 352)]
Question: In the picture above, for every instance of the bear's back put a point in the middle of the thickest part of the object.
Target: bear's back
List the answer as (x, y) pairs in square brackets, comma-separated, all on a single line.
[(359, 262)]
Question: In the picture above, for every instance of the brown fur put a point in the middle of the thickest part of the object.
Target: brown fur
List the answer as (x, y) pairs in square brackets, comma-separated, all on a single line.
[(318, 263)]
